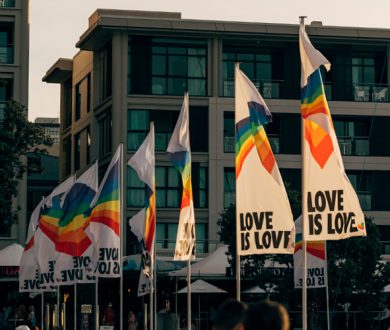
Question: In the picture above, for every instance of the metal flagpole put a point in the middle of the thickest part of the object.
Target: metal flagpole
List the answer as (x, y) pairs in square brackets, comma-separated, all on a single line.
[(238, 259), (155, 279), (189, 294), (304, 216), (75, 306), (151, 297), (96, 302), (327, 288), (121, 238), (57, 311), (42, 307)]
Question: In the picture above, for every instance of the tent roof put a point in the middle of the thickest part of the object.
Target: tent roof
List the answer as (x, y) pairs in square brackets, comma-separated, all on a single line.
[(386, 288), (213, 265), (257, 290), (200, 286), (11, 255), (133, 262)]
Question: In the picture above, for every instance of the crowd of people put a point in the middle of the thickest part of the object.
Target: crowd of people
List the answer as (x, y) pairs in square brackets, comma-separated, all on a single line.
[(266, 314)]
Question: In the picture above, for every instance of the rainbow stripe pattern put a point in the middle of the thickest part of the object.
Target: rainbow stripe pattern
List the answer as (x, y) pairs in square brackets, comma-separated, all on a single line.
[(150, 216), (71, 238), (107, 206), (315, 248), (182, 162), (313, 102), (250, 133)]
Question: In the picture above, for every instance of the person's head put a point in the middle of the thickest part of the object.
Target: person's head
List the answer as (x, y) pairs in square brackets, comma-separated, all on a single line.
[(230, 316), (267, 314)]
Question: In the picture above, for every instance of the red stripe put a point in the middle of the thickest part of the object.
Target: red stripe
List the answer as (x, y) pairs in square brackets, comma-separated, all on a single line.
[(109, 222)]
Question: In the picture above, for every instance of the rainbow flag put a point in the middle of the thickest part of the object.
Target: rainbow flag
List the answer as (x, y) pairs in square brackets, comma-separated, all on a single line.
[(104, 225), (180, 155), (73, 246), (144, 164), (260, 191), (324, 175)]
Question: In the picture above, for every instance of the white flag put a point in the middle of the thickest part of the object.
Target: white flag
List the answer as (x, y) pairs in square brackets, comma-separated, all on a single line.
[(264, 220), (332, 209), (180, 154)]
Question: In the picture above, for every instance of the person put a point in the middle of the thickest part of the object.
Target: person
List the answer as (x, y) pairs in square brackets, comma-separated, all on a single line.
[(132, 320), (230, 315), (109, 315), (32, 321), (267, 314)]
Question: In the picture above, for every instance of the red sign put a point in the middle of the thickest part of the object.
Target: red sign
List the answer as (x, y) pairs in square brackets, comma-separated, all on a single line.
[(9, 271)]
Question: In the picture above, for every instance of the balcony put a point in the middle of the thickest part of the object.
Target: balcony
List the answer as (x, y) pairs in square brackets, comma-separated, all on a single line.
[(7, 3), (365, 200), (354, 145), (357, 92)]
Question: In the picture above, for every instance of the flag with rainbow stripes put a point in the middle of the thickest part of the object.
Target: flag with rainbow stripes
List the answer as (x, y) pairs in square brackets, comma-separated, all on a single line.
[(331, 207), (180, 155), (264, 220)]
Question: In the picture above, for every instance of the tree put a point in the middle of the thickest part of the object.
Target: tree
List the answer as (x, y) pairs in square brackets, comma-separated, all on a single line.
[(17, 137), (356, 273)]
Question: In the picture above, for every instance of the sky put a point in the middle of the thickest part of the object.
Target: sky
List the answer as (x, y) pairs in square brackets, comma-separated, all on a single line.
[(56, 25)]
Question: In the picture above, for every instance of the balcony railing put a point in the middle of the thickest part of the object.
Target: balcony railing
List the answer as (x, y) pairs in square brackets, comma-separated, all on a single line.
[(268, 89), (365, 199), (354, 145), (229, 143)]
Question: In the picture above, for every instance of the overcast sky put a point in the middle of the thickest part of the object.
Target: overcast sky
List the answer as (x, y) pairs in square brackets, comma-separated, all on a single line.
[(55, 27)]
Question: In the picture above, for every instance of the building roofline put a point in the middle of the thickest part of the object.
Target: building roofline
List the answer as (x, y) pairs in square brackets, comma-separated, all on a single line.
[(103, 21), (59, 71)]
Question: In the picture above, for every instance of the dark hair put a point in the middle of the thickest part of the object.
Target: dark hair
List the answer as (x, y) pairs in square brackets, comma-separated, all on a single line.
[(267, 315), (230, 314)]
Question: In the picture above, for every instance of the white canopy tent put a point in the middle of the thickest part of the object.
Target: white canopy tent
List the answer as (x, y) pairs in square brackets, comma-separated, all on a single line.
[(11, 255)]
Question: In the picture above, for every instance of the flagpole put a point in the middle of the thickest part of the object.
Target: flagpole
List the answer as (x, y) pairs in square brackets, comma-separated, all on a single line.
[(238, 259), (327, 288), (57, 312), (42, 307), (155, 279), (189, 294), (121, 238), (304, 277), (75, 306), (151, 298), (96, 302)]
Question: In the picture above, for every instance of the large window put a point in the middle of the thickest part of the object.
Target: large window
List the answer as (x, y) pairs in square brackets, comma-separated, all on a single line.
[(77, 149), (105, 133), (66, 149), (5, 95), (353, 136), (7, 3), (106, 71), (82, 97), (166, 236), (229, 187), (6, 43), (165, 121), (264, 68), (162, 66), (168, 187)]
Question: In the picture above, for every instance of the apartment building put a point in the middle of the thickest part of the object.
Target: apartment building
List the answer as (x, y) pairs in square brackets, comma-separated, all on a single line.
[(14, 57), (133, 68)]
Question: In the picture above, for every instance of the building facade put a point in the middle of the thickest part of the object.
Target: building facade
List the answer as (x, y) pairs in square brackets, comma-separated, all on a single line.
[(14, 59), (51, 126), (134, 67)]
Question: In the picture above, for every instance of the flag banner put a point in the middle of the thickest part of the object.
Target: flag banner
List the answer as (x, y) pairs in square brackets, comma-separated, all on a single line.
[(73, 246), (29, 280), (180, 155), (143, 285), (46, 235), (137, 223), (104, 225), (332, 207), (316, 260), (143, 162), (264, 220)]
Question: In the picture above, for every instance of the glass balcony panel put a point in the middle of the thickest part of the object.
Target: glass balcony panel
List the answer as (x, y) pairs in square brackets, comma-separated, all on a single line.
[(365, 200)]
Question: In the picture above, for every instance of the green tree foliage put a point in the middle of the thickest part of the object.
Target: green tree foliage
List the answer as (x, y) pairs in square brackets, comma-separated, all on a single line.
[(17, 137), (356, 273)]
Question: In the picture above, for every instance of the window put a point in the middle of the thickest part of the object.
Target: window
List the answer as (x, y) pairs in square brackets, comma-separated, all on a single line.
[(229, 187), (89, 142), (353, 136), (165, 121), (67, 119), (7, 3), (6, 43), (66, 149), (228, 132), (5, 94), (77, 146), (263, 68), (363, 184), (166, 234), (82, 97), (105, 134), (177, 68), (106, 71), (168, 187)]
